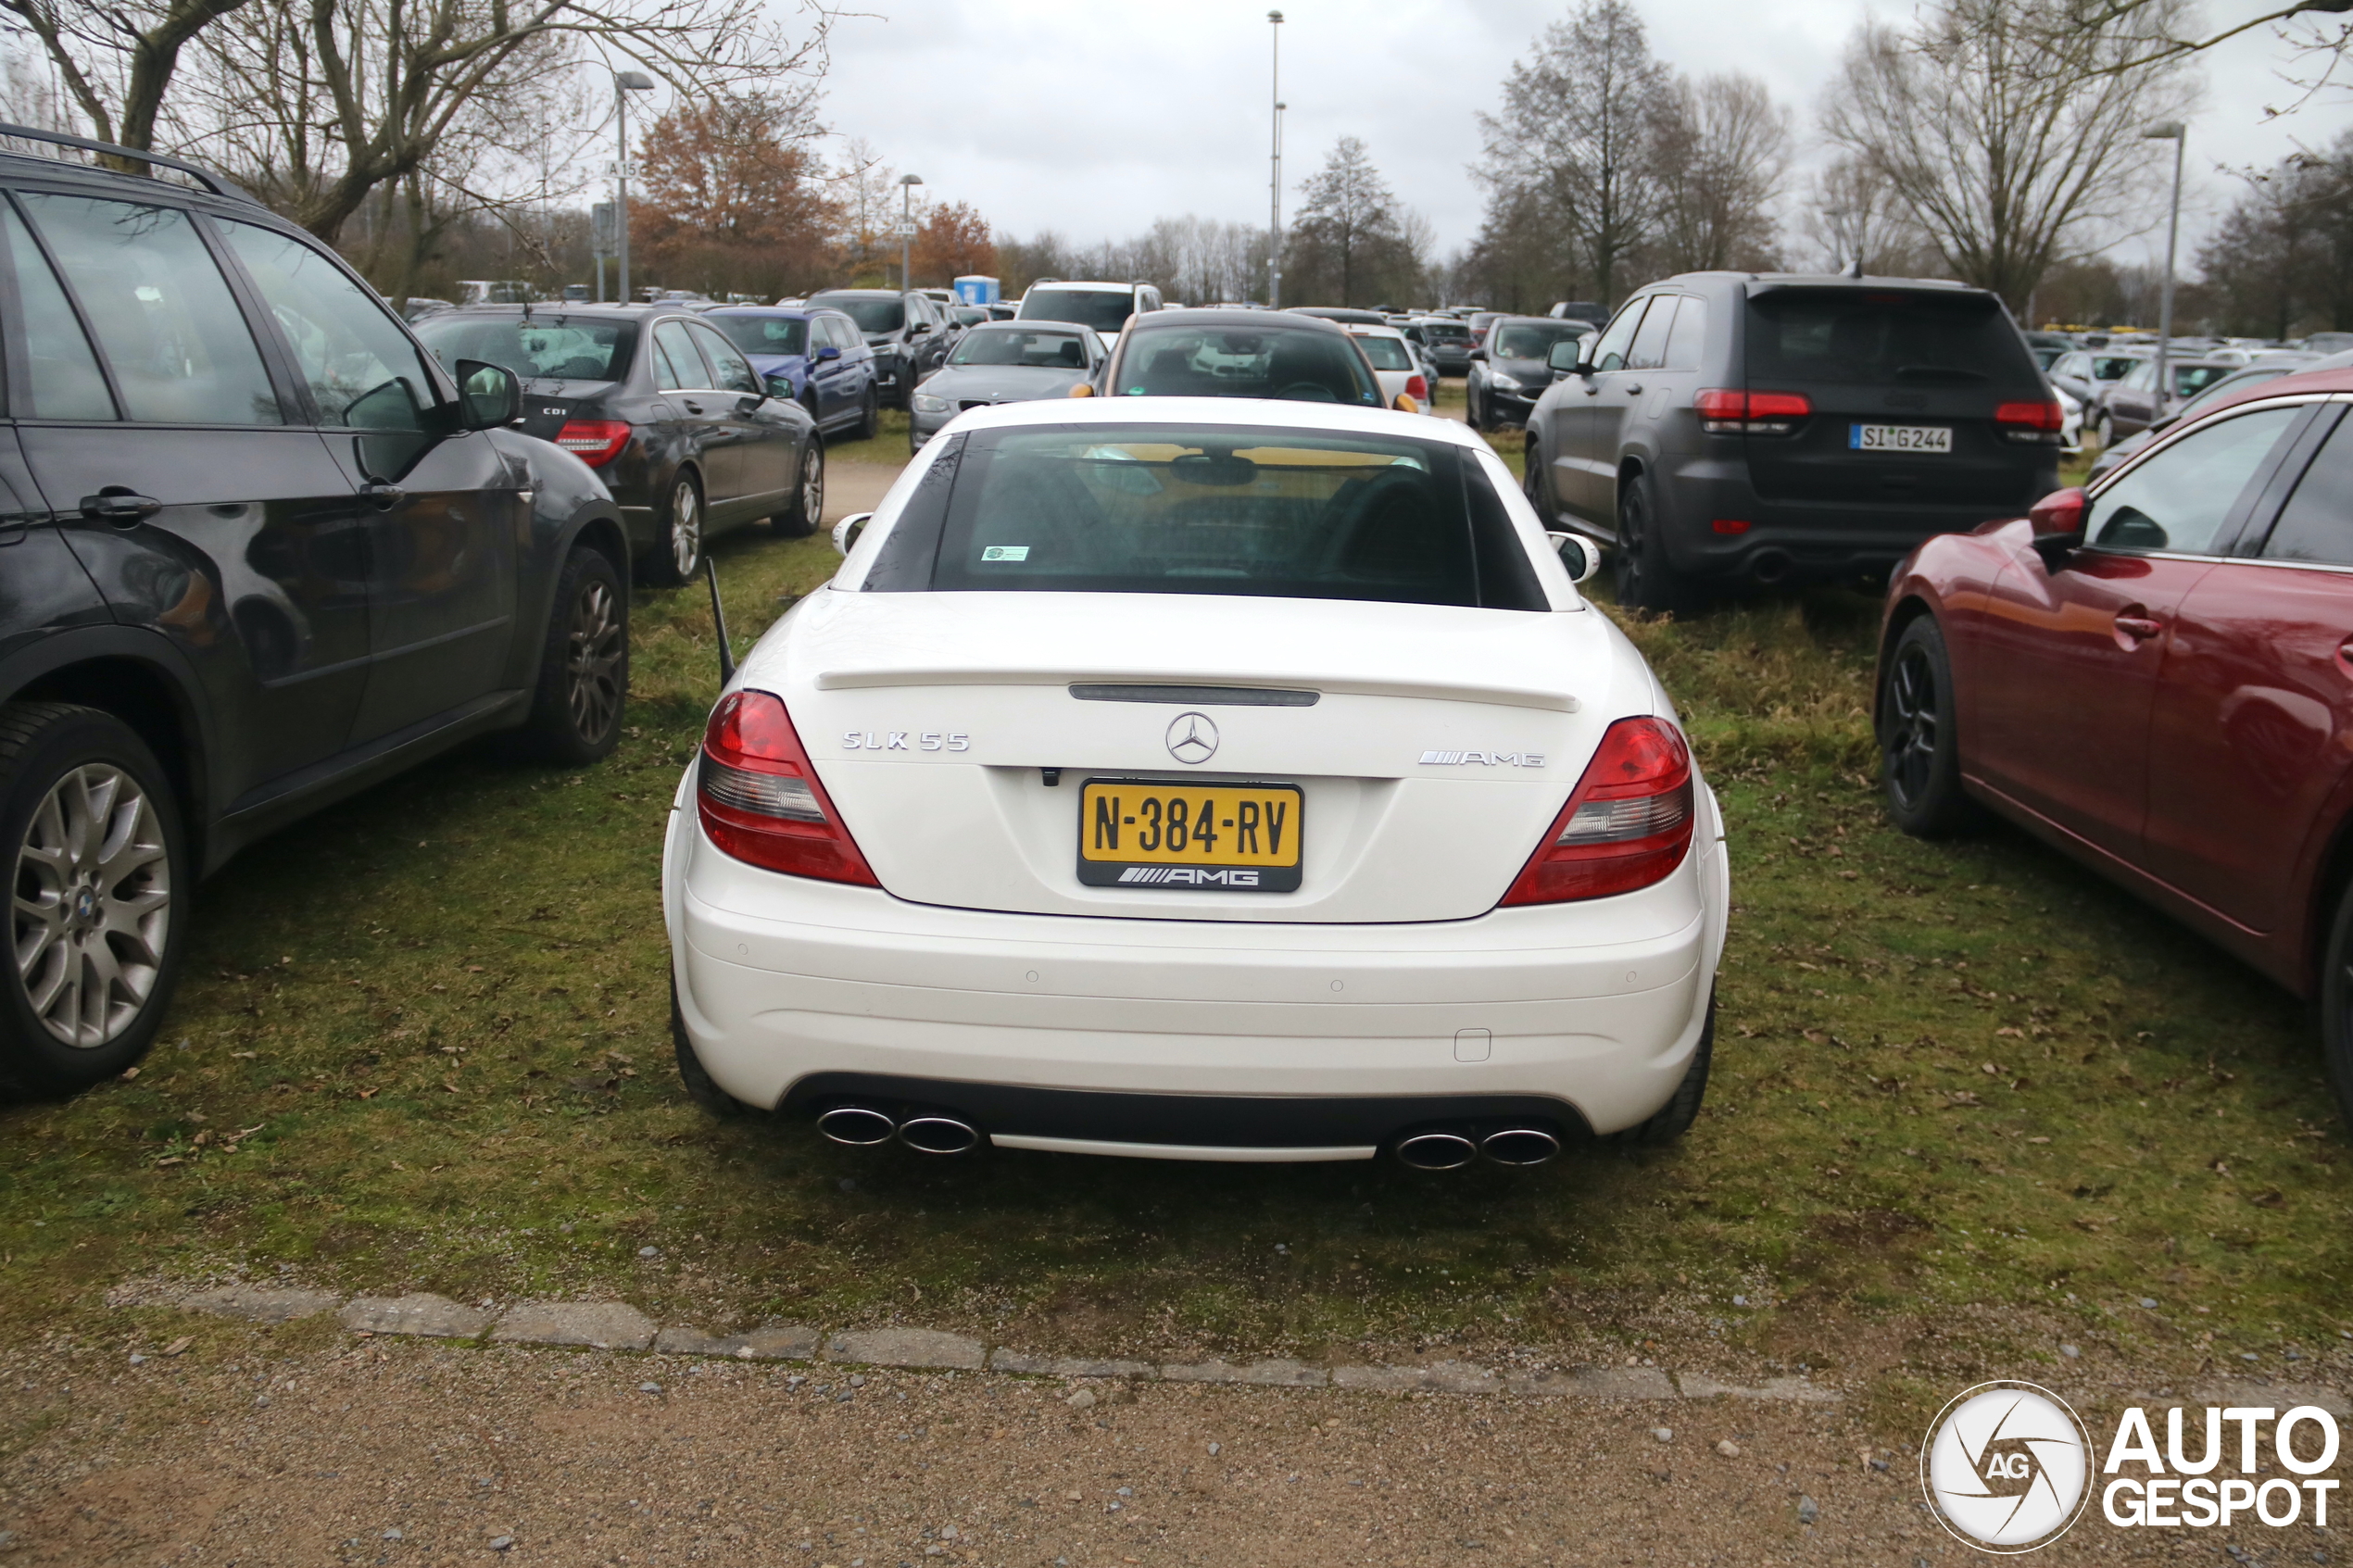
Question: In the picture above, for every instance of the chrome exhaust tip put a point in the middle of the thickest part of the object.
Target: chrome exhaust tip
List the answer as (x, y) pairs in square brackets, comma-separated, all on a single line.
[(1520, 1145), (939, 1135), (1437, 1152), (857, 1126)]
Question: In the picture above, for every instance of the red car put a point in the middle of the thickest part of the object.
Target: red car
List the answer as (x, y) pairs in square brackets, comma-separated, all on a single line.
[(2156, 675)]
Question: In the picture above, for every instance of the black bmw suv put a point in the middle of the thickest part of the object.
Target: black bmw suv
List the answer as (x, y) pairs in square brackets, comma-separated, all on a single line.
[(1733, 428), (258, 551)]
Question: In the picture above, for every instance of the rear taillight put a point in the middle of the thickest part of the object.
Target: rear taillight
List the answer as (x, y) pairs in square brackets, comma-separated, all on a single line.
[(593, 442), (759, 798), (1417, 388), (1627, 825), (2038, 422), (1725, 412)]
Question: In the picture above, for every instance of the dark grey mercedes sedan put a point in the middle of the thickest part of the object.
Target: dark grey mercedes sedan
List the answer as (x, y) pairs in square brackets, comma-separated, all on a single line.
[(1004, 362)]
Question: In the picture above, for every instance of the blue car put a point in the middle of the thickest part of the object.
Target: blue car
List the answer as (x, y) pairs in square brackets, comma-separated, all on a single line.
[(816, 358)]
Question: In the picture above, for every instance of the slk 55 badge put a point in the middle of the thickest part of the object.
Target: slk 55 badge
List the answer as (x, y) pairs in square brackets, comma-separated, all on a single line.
[(905, 740)]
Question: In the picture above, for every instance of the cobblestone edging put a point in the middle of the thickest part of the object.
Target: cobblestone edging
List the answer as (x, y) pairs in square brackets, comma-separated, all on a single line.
[(613, 1325)]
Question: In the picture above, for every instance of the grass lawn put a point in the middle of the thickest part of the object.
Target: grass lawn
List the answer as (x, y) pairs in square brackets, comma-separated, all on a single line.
[(1960, 1089)]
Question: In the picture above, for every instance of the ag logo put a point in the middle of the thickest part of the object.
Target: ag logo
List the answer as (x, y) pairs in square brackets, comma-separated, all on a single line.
[(2006, 1467), (1192, 739)]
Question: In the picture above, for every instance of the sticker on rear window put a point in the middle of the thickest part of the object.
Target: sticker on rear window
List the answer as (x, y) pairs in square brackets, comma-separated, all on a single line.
[(1004, 552)]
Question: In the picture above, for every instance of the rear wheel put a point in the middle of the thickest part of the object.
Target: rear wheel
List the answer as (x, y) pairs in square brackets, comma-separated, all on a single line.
[(1919, 747), (679, 555), (2104, 433), (2336, 1005), (799, 520), (1536, 480), (1644, 578), (869, 423), (98, 913), (584, 670), (1674, 1117)]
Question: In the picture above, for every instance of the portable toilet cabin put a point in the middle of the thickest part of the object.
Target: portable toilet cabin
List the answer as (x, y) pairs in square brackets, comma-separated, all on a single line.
[(974, 289)]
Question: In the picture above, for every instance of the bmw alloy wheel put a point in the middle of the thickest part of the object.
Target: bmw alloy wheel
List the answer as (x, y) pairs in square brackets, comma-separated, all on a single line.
[(91, 904), (592, 660)]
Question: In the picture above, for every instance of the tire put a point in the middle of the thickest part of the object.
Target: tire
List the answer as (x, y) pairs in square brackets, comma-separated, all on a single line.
[(2105, 433), (1471, 414), (96, 937), (1536, 482), (1674, 1117), (1644, 578), (2336, 1005), (583, 669), (698, 1082), (678, 555), (1919, 746), (869, 423), (800, 520)]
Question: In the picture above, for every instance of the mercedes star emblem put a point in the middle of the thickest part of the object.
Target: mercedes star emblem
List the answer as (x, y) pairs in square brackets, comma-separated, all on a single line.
[(1192, 738)]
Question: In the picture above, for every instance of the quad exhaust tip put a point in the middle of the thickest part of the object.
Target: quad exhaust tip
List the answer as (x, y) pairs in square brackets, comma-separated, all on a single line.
[(939, 1135), (858, 1126), (1437, 1152), (1520, 1145)]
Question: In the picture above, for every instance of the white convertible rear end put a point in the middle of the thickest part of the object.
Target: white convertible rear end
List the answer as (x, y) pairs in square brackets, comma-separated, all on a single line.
[(1210, 779)]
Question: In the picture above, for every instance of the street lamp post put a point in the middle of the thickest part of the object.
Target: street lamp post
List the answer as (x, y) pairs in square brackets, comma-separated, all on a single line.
[(2171, 131), (1274, 185), (907, 183), (623, 83)]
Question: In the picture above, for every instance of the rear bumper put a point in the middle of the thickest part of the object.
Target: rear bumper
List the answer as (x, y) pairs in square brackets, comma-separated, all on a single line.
[(1183, 1036), (1797, 541)]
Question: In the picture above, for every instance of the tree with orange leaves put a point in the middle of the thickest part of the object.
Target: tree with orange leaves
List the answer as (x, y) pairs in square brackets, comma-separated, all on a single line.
[(954, 240), (730, 200)]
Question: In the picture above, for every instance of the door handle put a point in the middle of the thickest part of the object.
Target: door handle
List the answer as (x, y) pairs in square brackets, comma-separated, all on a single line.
[(386, 496), (1591, 389), (117, 505), (692, 407), (2138, 626), (1633, 388)]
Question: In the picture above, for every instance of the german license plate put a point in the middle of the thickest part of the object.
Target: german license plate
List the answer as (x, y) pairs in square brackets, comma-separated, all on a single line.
[(1900, 438), (1158, 832)]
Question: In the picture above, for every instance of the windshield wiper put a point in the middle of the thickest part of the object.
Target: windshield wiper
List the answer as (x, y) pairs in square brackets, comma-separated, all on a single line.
[(1939, 373)]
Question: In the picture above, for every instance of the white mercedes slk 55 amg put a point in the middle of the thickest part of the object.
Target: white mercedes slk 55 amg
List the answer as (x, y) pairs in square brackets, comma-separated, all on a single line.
[(1200, 779)]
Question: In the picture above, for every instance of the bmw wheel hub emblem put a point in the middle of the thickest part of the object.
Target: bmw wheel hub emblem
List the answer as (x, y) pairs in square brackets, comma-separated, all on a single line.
[(1192, 738)]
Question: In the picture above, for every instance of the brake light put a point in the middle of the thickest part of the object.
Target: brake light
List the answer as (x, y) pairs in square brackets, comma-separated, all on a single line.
[(1418, 389), (2030, 421), (1727, 412), (593, 442), (760, 798), (1627, 825)]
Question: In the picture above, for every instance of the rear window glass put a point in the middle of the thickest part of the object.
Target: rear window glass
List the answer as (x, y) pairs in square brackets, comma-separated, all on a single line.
[(1853, 337), (1011, 346), (1193, 510), (1282, 362), (1523, 340), (1386, 353), (764, 334), (1106, 310), (871, 315), (546, 347), (1448, 332)]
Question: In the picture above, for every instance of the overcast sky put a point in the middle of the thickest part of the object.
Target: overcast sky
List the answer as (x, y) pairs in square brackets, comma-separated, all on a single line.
[(1093, 120)]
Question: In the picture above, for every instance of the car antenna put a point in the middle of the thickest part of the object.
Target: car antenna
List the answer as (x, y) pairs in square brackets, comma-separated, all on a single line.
[(719, 619)]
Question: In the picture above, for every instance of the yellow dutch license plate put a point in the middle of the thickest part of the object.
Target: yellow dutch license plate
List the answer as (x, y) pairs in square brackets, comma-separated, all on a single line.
[(1160, 833)]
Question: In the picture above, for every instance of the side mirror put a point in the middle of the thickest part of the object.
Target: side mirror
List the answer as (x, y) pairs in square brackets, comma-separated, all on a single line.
[(778, 385), (919, 329), (829, 352), (1479, 354), (1405, 404), (1084, 389), (1564, 356), (1579, 555), (845, 532), (493, 397), (2057, 522)]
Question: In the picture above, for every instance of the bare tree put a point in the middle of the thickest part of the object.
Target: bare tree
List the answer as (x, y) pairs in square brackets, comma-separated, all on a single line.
[(2011, 146), (2303, 25), (117, 61), (1573, 146), (1349, 235), (1722, 154), (1851, 214)]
